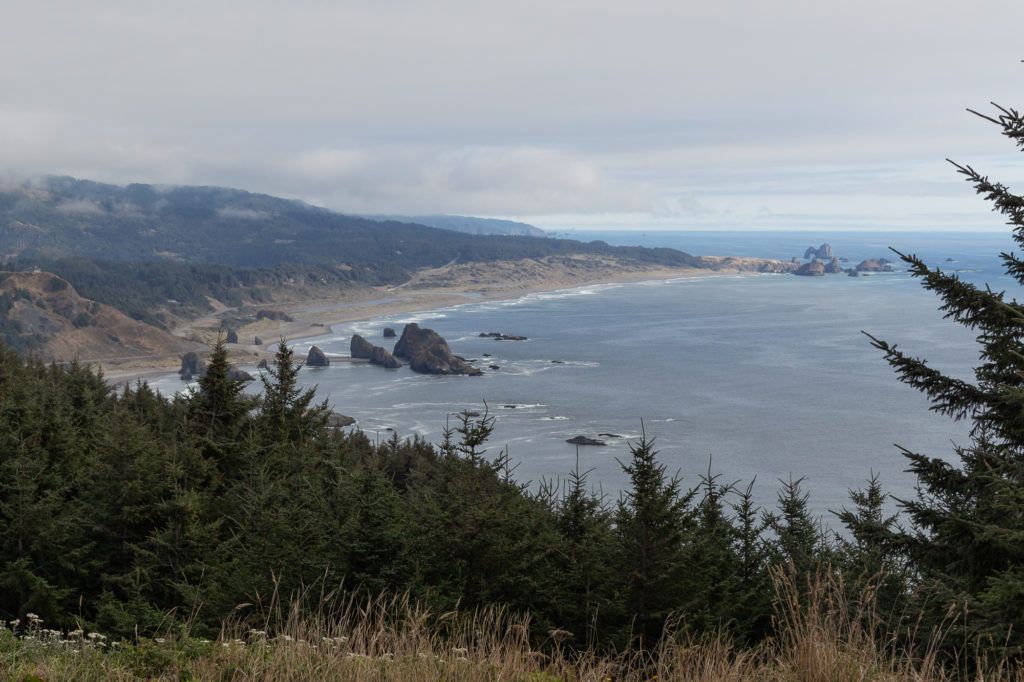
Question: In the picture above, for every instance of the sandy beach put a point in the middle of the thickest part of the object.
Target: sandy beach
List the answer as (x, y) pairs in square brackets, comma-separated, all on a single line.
[(427, 290)]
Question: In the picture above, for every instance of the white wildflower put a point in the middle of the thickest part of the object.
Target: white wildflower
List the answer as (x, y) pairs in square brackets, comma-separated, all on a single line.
[(159, 640), (75, 633), (460, 651), (14, 623)]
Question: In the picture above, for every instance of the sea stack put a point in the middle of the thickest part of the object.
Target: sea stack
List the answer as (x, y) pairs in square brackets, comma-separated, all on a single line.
[(191, 366), (316, 358), (428, 352), (813, 269), (362, 349)]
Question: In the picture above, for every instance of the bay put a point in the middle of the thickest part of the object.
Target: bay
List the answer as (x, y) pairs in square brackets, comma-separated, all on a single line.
[(754, 378)]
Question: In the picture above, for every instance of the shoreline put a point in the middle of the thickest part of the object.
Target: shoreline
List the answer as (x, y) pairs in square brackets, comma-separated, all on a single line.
[(315, 318)]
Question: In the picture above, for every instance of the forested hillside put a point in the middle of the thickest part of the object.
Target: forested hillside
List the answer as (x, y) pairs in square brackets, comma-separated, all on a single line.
[(59, 217), (130, 513)]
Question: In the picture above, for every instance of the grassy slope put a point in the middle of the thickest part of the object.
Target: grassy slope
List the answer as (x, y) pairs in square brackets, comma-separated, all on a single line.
[(391, 639)]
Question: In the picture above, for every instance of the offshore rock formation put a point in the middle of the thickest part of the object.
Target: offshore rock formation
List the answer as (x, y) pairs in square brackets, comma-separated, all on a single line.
[(389, 333), (383, 358), (360, 348), (824, 252), (874, 265), (428, 352), (192, 366), (498, 336), (336, 420), (584, 440), (834, 267), (236, 374), (364, 350), (316, 358), (813, 269)]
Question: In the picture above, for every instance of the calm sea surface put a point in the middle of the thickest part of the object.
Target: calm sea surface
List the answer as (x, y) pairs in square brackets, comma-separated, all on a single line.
[(764, 377)]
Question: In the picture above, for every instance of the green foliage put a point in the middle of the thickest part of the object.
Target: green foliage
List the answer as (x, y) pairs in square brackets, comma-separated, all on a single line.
[(652, 521), (159, 256), (139, 515), (965, 541)]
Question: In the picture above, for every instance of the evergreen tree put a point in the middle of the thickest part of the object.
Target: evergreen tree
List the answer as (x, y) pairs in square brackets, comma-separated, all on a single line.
[(586, 601), (219, 419), (288, 414), (753, 581), (653, 522), (966, 539), (869, 554), (800, 538), (713, 582)]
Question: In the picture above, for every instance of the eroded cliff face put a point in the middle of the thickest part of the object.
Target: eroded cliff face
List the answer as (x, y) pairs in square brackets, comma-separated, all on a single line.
[(42, 314)]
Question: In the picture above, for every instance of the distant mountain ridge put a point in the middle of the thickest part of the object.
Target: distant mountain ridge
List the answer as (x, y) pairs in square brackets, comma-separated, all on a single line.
[(55, 217), (468, 224)]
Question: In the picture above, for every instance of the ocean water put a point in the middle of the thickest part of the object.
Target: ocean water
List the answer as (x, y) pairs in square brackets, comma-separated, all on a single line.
[(754, 378)]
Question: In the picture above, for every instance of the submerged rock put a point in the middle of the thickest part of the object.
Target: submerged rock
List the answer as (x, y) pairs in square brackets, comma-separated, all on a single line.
[(498, 336), (584, 440)]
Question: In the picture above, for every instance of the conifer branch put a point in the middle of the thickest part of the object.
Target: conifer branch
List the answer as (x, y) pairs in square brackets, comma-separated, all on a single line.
[(949, 396)]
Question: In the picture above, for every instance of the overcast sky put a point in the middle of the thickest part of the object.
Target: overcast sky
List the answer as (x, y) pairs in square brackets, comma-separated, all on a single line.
[(791, 114)]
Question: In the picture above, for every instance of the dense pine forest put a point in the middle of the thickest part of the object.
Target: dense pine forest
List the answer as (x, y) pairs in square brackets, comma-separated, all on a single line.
[(144, 519)]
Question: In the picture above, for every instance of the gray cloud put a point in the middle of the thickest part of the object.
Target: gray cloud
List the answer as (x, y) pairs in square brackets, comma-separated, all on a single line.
[(649, 113)]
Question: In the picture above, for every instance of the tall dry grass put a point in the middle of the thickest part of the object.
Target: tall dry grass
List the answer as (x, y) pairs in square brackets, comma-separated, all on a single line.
[(822, 634)]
